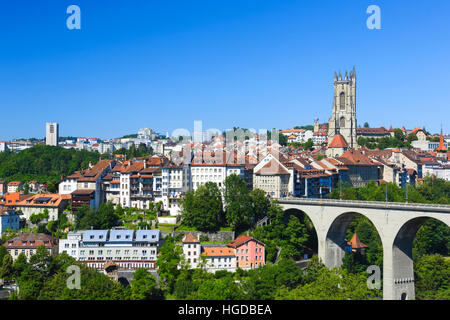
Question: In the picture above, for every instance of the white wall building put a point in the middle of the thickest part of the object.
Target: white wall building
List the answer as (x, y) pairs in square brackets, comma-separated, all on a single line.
[(128, 249), (51, 134)]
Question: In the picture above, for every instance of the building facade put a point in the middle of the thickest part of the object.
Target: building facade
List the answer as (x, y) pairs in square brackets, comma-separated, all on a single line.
[(51, 133)]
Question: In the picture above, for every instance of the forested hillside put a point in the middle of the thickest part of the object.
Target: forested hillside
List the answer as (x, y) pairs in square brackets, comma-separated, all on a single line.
[(43, 163)]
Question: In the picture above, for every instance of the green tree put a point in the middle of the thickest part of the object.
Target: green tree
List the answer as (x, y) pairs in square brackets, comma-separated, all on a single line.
[(219, 289), (260, 204), (143, 286), (432, 275), (238, 202), (6, 270), (168, 261), (202, 208)]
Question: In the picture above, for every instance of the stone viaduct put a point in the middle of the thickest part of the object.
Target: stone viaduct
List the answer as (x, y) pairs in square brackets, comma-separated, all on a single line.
[(396, 223)]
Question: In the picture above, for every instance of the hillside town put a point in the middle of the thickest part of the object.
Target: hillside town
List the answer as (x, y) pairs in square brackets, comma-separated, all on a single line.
[(309, 162)]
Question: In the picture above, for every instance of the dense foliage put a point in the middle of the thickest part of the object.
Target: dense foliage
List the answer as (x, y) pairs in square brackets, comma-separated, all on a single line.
[(204, 209), (105, 217), (43, 163), (430, 190)]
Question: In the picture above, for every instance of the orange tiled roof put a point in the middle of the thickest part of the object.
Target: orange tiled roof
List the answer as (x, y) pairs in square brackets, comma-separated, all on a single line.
[(217, 252), (338, 142), (54, 201), (356, 243), (441, 147)]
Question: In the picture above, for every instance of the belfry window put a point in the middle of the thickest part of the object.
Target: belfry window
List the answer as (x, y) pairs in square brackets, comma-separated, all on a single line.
[(342, 101), (342, 122)]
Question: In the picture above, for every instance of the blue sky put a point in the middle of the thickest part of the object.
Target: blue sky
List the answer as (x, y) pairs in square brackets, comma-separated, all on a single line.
[(248, 63)]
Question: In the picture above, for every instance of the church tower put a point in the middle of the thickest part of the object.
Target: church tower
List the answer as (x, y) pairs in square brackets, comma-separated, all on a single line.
[(343, 117)]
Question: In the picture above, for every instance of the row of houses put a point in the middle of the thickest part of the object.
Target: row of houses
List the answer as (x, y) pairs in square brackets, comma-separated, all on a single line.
[(244, 252), (132, 249)]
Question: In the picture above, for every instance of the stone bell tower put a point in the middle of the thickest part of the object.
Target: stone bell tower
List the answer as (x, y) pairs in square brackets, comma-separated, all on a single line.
[(343, 117)]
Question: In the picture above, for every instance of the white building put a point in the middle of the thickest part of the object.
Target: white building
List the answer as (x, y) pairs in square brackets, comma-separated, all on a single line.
[(191, 250), (128, 249), (51, 134), (219, 258), (3, 146)]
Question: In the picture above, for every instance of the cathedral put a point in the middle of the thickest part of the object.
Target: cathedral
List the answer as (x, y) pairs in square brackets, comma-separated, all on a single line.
[(343, 117)]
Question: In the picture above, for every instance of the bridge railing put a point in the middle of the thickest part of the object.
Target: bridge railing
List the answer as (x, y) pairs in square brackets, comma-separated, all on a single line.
[(360, 203)]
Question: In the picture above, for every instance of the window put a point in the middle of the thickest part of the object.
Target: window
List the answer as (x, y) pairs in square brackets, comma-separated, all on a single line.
[(342, 101), (342, 122)]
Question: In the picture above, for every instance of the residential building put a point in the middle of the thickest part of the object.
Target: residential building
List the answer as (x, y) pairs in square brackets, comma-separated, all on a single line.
[(361, 170), (28, 243), (14, 186), (249, 252), (191, 250), (9, 219), (271, 176), (219, 258), (86, 186), (376, 133), (3, 187), (35, 204)]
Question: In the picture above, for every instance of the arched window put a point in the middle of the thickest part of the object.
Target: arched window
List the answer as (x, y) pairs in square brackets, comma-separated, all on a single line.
[(342, 101), (342, 122)]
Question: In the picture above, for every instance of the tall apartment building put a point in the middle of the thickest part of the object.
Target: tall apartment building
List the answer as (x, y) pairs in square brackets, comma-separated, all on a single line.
[(51, 134)]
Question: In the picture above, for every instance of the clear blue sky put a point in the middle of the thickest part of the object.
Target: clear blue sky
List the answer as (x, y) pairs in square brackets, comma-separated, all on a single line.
[(249, 63)]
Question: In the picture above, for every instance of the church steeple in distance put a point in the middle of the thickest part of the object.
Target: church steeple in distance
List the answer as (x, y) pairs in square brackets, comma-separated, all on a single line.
[(343, 117)]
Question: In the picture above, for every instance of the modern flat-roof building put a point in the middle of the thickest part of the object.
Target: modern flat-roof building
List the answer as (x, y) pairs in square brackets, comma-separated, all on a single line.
[(128, 249)]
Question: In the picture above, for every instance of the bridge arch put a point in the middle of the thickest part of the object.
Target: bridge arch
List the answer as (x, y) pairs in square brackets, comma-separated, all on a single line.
[(335, 237), (313, 242), (402, 264)]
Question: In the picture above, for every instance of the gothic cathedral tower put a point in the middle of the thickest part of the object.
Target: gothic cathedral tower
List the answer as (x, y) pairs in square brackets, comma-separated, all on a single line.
[(343, 117)]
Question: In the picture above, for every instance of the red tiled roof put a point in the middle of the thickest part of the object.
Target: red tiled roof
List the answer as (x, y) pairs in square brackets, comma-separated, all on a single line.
[(190, 238), (241, 240), (31, 240), (356, 243), (338, 142)]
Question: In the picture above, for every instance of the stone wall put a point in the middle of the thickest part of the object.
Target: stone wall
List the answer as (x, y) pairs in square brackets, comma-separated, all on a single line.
[(220, 236)]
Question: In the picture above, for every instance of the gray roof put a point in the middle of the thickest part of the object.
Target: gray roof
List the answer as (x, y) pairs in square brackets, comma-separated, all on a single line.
[(148, 235), (95, 235), (121, 235)]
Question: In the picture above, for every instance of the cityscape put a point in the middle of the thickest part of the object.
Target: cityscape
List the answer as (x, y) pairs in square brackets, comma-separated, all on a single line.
[(338, 205)]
